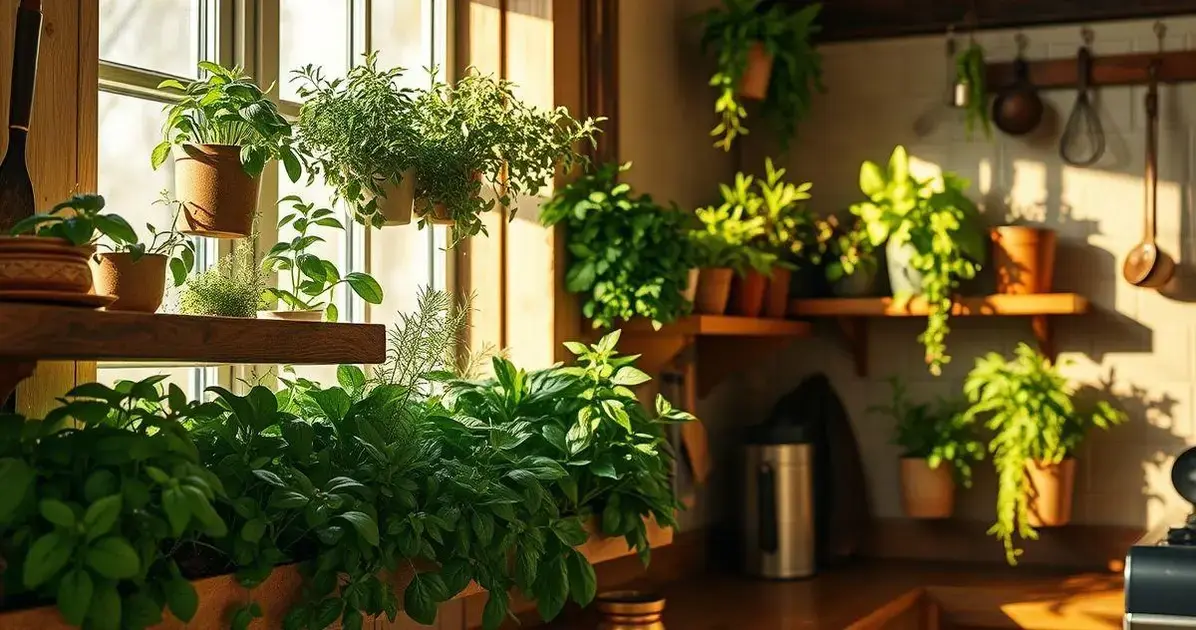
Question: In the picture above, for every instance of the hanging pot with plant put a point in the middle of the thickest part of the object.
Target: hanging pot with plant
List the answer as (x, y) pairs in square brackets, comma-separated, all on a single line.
[(932, 240), (222, 131), (1023, 259), (46, 256), (1037, 430)]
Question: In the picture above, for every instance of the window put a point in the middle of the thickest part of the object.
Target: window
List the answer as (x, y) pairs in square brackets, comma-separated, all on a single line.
[(142, 43)]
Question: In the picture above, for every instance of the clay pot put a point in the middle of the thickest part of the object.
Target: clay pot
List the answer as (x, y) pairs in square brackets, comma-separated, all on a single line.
[(630, 610), (138, 285), (1024, 259), (776, 300), (714, 289), (756, 76), (926, 492), (219, 198), (36, 263), (691, 286), (439, 215), (397, 201), (747, 294), (293, 316), (1051, 489)]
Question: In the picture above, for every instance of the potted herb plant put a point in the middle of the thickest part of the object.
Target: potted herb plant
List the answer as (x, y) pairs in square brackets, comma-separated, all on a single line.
[(478, 131), (233, 287), (930, 230), (135, 272), (851, 262), (763, 54), (311, 279), (358, 131), (45, 257), (725, 244), (628, 255), (939, 446), (1037, 429), (223, 131)]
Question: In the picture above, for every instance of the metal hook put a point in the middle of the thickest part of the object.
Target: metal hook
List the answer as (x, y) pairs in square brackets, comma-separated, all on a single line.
[(1087, 36), (1160, 31), (1022, 42)]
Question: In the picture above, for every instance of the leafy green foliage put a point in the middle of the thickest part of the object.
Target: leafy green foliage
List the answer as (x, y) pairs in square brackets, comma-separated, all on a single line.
[(231, 288), (732, 30), (940, 433), (78, 220), (940, 223), (970, 72), (1028, 404), (175, 245), (359, 132), (790, 230), (849, 251), (227, 107), (311, 278), (628, 255), (477, 130)]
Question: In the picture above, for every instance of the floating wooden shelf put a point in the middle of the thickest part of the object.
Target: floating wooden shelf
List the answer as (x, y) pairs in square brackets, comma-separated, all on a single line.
[(852, 314), (722, 326), (29, 333), (1053, 74)]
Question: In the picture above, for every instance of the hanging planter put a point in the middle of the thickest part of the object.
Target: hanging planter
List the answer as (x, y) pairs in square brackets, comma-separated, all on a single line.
[(754, 83), (396, 201), (1023, 259), (219, 198), (1051, 490)]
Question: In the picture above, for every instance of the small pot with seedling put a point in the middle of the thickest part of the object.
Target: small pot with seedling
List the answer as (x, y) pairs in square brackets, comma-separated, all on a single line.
[(726, 245), (311, 279), (45, 257), (851, 262), (222, 131), (135, 272)]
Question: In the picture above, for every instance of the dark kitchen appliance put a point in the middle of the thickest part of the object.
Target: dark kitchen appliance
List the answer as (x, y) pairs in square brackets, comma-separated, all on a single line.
[(1160, 569), (778, 515)]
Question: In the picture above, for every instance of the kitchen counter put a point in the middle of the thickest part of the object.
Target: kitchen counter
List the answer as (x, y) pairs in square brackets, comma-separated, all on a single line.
[(894, 595)]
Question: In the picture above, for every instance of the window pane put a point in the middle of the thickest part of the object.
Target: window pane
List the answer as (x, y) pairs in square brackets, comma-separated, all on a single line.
[(129, 129), (403, 36), (185, 377), (314, 33), (161, 35)]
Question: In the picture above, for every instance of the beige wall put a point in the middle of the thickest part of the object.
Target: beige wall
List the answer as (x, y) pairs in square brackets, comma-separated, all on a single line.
[(887, 92)]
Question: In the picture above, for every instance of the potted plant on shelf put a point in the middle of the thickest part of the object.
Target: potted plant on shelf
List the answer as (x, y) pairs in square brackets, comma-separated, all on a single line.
[(308, 295), (45, 257), (763, 54), (726, 245), (478, 131), (932, 240), (628, 255), (1023, 259), (1038, 428), (358, 131), (939, 446), (233, 287), (135, 272), (223, 131), (851, 262)]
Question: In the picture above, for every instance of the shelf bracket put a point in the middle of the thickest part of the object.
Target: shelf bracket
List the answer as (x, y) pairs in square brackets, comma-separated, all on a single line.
[(1043, 334), (855, 331), (11, 375)]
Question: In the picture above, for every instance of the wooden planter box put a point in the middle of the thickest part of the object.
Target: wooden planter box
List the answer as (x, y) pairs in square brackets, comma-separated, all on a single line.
[(219, 596)]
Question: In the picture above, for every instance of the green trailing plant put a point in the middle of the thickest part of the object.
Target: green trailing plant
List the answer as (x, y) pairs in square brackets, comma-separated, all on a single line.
[(785, 34), (311, 278), (939, 432), (933, 217), (357, 131), (174, 245), (477, 130), (790, 234), (80, 220), (970, 72), (849, 252), (233, 287), (227, 107), (627, 253), (1030, 408)]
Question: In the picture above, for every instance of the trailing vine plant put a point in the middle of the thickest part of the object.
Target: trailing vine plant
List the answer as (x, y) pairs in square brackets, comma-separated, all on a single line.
[(970, 74)]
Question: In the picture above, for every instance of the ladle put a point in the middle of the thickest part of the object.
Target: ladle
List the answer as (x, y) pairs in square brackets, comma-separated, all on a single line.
[(1145, 265)]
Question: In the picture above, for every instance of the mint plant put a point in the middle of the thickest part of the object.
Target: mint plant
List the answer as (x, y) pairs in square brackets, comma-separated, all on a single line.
[(80, 220)]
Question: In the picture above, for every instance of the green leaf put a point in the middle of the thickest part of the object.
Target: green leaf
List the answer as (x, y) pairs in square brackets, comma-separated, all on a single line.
[(182, 598), (101, 516), (552, 588), (16, 477), (253, 530), (105, 611), (74, 596), (178, 511), (630, 376), (604, 468), (141, 611), (350, 377), (495, 611), (580, 278), (365, 525), (576, 348), (160, 153), (612, 517), (365, 286), (583, 582), (570, 531), (114, 558), (418, 602), (46, 556), (270, 477), (57, 512)]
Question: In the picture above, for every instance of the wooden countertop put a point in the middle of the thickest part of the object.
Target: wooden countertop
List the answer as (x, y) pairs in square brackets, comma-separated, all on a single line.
[(905, 595)]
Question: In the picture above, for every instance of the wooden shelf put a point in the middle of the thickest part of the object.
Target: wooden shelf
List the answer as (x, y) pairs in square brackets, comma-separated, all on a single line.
[(29, 333), (1129, 69), (723, 326), (853, 313)]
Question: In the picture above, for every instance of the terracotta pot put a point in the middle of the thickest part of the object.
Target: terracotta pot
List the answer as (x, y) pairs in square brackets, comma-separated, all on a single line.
[(776, 300), (714, 289), (35, 263), (294, 316), (138, 285), (439, 215), (758, 73), (1024, 259), (747, 294), (1051, 489), (630, 610), (690, 292), (926, 492), (219, 198), (398, 200)]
